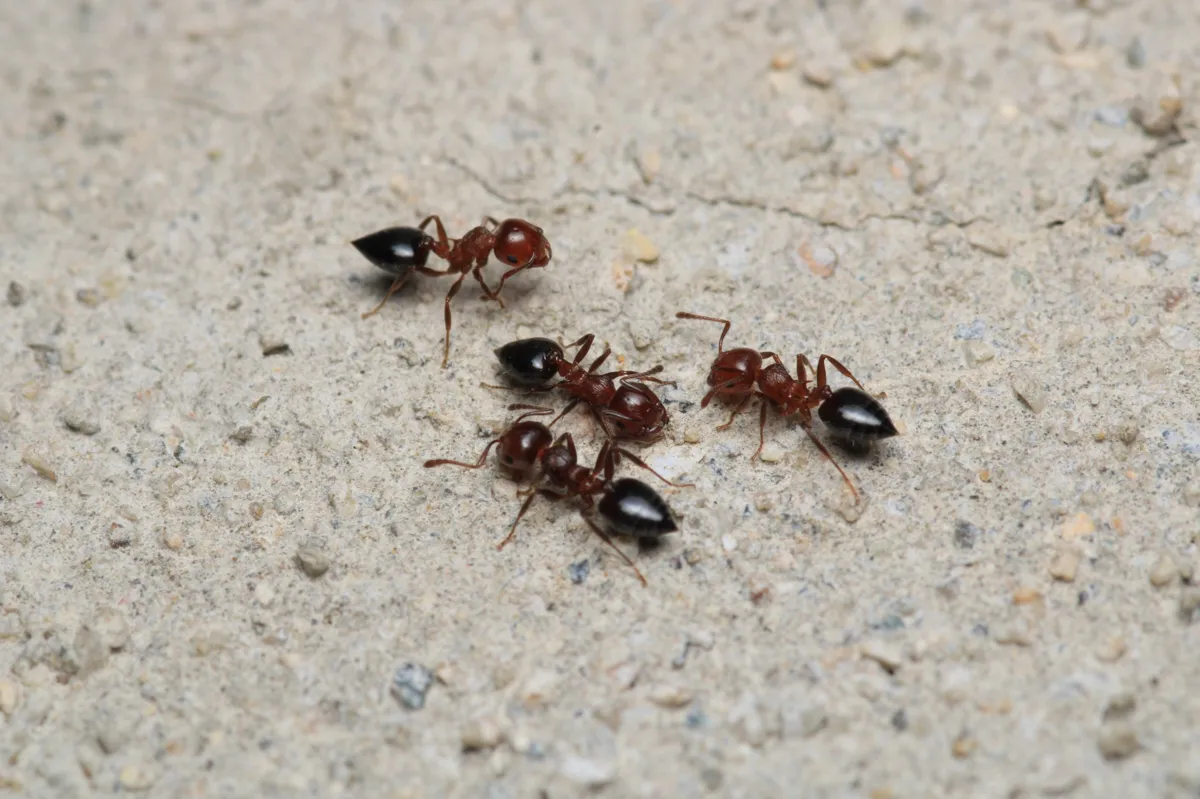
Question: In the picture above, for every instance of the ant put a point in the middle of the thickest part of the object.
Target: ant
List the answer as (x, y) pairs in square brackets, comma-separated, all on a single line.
[(400, 251), (529, 453), (616, 398), (854, 414)]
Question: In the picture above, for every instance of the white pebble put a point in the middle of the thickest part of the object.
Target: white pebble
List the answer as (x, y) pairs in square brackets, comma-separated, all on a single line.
[(729, 543), (771, 453), (1164, 571), (591, 773), (1065, 565), (671, 696), (137, 778), (482, 733), (264, 594), (8, 697), (882, 653)]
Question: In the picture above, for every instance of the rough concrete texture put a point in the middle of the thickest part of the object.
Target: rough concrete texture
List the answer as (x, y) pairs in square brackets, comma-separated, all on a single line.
[(225, 572)]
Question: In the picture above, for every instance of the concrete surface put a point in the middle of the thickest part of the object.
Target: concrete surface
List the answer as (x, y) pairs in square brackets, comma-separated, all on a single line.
[(219, 545)]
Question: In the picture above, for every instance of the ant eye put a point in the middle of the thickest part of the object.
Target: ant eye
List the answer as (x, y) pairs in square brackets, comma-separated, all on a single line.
[(512, 259), (508, 458)]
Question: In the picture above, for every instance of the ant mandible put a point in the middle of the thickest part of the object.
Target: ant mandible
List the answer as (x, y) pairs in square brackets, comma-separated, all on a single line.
[(400, 251), (625, 407), (528, 452), (739, 374)]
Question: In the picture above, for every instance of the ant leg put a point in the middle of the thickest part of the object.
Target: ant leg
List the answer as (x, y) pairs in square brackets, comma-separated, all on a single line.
[(821, 371), (606, 539), (524, 507), (441, 231), (584, 344), (476, 465), (740, 407), (491, 221), (397, 284), (533, 410), (825, 452), (628, 375), (726, 322), (528, 391), (624, 453), (762, 427), (570, 407), (495, 295), (449, 296), (488, 294)]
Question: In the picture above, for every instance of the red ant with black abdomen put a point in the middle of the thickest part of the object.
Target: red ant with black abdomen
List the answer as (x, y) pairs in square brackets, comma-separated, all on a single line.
[(739, 374), (529, 453), (623, 405), (402, 250)]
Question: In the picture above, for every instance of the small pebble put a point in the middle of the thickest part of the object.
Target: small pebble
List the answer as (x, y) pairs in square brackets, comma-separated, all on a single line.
[(785, 59), (1069, 33), (587, 772), (69, 359), (7, 411), (818, 75), (1164, 571), (172, 539), (242, 434), (8, 697), (112, 628), (989, 239), (410, 684), (964, 746), (1135, 54), (649, 164), (1117, 741), (1014, 635), (1065, 565), (1120, 706), (966, 535), (137, 778), (671, 697), (284, 504), (1157, 117), (35, 461), (771, 453), (1189, 604), (273, 343), (1112, 650), (16, 294), (120, 535), (1026, 596), (977, 352), (637, 246), (1078, 526), (924, 177), (482, 733), (1029, 391), (80, 419), (312, 559), (886, 44), (579, 571), (882, 653), (89, 297)]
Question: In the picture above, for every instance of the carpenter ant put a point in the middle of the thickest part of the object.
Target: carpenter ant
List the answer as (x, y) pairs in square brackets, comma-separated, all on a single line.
[(624, 405), (400, 251), (528, 452), (739, 373)]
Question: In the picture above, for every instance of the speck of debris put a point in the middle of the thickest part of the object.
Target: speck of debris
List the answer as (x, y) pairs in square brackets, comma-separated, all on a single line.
[(900, 720), (410, 684), (312, 560), (579, 571), (966, 534), (16, 294), (242, 434)]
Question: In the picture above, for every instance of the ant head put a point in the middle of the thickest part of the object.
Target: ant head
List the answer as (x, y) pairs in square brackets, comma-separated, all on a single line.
[(522, 445), (530, 361), (520, 244)]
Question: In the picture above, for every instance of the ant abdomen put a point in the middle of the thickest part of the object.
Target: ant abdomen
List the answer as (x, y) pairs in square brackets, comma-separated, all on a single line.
[(856, 416), (632, 508), (530, 361), (395, 250)]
